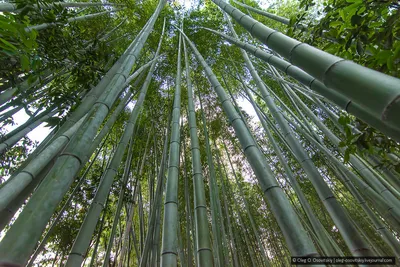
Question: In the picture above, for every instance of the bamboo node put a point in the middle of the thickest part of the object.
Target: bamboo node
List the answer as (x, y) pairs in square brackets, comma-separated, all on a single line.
[(71, 154), (391, 104), (101, 204), (270, 187), (347, 106), (330, 197), (77, 253), (292, 50), (30, 174), (169, 252), (200, 249), (330, 67), (173, 202)]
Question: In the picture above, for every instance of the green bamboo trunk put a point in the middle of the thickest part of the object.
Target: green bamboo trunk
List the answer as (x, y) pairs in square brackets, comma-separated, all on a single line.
[(297, 239), (88, 226), (154, 226), (359, 166), (170, 227), (232, 242), (204, 252), (339, 99), (220, 236), (344, 175), (353, 240), (61, 212), (125, 177), (16, 136), (17, 183), (10, 7), (376, 92), (264, 13), (80, 18), (217, 223)]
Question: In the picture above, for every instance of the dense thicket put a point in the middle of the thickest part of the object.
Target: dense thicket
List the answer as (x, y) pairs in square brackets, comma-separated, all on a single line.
[(209, 133)]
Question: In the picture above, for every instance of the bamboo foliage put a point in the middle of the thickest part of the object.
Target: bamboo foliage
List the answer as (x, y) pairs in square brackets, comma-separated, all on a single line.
[(61, 176)]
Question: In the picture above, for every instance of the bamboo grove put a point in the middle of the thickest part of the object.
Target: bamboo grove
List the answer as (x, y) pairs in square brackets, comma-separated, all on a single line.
[(212, 135)]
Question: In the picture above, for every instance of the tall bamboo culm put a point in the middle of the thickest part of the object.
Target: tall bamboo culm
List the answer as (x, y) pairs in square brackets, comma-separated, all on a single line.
[(297, 239), (170, 226)]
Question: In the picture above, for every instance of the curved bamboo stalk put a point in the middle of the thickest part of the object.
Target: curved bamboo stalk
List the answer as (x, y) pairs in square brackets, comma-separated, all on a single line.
[(376, 92), (379, 226), (297, 239), (343, 174), (341, 100), (359, 166), (10, 7), (264, 13), (320, 232), (391, 177), (12, 140), (390, 213), (364, 188), (74, 19)]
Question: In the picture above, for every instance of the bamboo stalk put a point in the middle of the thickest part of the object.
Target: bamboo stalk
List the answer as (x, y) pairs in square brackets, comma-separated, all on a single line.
[(295, 235), (376, 92), (169, 233), (204, 252)]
